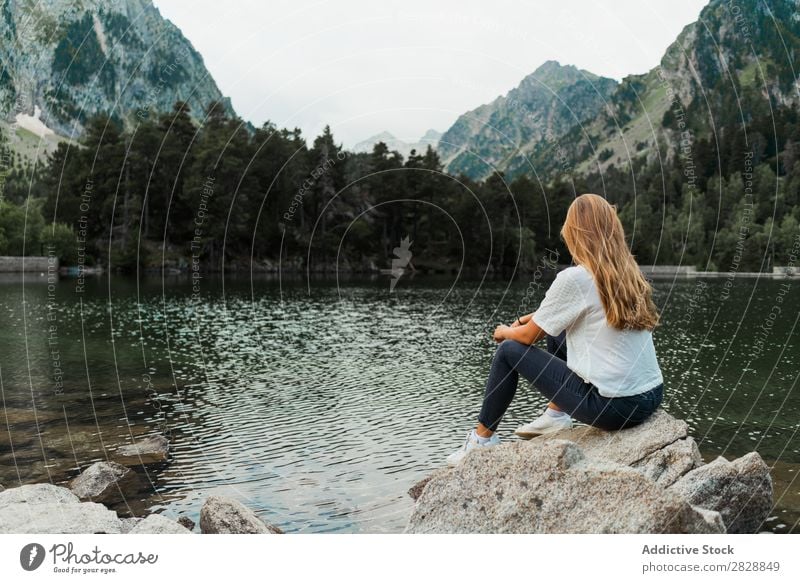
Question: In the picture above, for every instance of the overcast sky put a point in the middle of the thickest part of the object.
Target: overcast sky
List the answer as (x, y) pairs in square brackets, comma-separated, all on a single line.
[(405, 66)]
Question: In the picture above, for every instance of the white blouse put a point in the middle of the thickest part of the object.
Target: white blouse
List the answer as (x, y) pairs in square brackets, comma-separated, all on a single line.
[(619, 363)]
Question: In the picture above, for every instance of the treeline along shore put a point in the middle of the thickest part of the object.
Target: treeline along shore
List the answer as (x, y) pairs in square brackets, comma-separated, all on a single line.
[(209, 192)]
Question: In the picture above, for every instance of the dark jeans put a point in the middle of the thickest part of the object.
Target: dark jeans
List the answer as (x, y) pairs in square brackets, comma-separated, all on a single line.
[(549, 374)]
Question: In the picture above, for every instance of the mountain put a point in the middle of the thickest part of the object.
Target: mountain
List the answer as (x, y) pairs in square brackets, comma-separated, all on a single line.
[(70, 59), (545, 105), (731, 67), (431, 138)]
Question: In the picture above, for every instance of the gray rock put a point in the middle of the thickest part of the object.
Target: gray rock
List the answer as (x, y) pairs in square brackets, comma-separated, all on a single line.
[(741, 491), (626, 446), (58, 518), (153, 449), (665, 466), (548, 486), (49, 509), (107, 483), (416, 490), (712, 518), (37, 494), (129, 523), (157, 524), (221, 515), (186, 522)]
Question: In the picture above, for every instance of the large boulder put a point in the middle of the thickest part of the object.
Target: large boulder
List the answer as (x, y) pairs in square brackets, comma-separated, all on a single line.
[(665, 466), (157, 524), (627, 446), (741, 491), (221, 515), (107, 483), (549, 486), (660, 447), (671, 474), (48, 509), (151, 450)]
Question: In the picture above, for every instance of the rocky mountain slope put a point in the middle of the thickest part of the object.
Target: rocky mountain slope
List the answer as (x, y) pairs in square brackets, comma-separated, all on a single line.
[(544, 106), (734, 59), (71, 59), (564, 121)]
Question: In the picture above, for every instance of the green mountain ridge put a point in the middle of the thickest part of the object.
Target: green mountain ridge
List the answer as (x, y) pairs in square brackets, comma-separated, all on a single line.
[(545, 105), (722, 67), (730, 49)]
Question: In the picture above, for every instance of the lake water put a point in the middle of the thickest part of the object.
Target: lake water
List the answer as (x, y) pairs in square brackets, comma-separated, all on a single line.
[(320, 405)]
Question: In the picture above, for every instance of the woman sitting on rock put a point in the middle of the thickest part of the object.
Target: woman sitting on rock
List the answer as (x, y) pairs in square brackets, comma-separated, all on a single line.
[(598, 315)]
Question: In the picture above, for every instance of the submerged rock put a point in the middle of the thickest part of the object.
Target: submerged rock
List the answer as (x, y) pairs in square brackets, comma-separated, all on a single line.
[(741, 491), (107, 483), (647, 478), (221, 515), (150, 450)]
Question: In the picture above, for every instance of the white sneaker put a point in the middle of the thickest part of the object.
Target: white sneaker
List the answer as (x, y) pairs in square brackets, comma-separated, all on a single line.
[(543, 425), (470, 444)]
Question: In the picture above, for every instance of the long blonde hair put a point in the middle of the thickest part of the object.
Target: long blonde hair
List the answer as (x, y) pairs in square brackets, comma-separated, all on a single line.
[(595, 238)]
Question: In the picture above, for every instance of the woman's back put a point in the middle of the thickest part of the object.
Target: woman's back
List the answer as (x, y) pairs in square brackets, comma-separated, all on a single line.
[(618, 362)]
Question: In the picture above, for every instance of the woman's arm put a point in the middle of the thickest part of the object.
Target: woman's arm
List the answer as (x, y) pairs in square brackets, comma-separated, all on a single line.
[(521, 320), (528, 333)]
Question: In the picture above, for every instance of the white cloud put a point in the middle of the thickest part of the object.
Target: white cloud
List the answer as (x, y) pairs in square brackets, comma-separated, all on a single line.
[(406, 66)]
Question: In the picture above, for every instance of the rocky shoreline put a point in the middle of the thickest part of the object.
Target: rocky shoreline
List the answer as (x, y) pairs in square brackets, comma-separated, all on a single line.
[(646, 479), (82, 506), (50, 509)]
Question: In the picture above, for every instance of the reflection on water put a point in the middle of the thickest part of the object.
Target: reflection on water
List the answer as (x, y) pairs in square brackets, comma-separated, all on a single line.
[(320, 407)]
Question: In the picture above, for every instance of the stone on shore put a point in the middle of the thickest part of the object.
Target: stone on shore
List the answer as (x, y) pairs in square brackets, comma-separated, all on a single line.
[(48, 509), (157, 524), (186, 522), (549, 486), (150, 450), (221, 515), (37, 494), (129, 523), (741, 491), (107, 483)]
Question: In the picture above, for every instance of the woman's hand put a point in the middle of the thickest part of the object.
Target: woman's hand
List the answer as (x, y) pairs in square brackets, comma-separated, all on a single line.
[(528, 333), (500, 333)]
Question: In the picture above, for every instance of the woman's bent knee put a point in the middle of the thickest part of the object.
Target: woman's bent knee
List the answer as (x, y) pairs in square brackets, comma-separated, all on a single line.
[(508, 347)]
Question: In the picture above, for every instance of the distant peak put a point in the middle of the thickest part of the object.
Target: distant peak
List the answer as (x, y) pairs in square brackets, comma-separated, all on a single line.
[(552, 65), (383, 136), (554, 74), (431, 135)]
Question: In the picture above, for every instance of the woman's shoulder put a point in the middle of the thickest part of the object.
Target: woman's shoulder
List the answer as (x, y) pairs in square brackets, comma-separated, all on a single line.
[(576, 273)]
